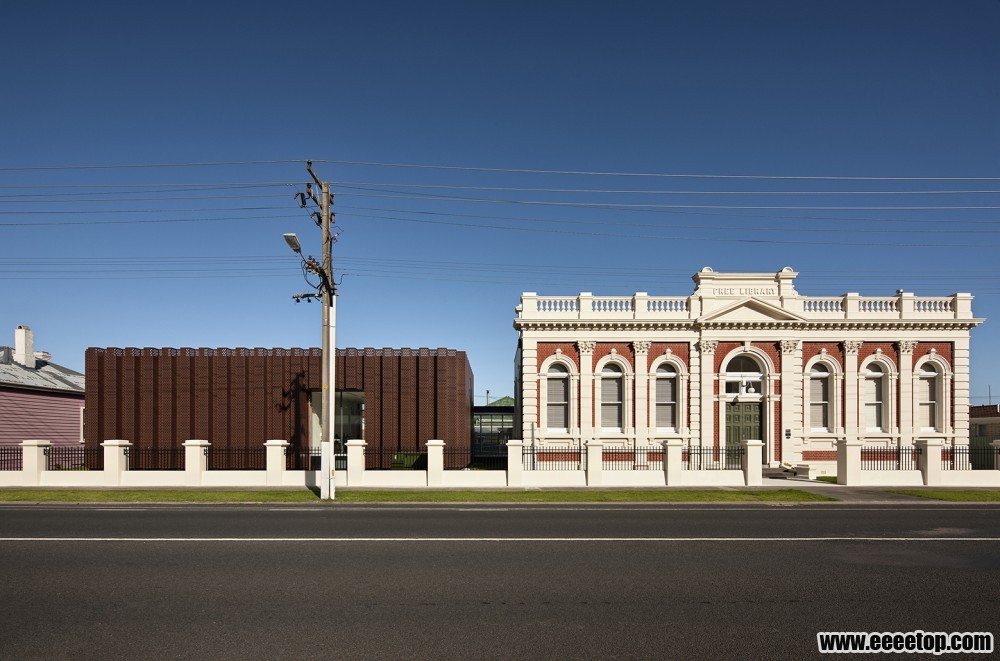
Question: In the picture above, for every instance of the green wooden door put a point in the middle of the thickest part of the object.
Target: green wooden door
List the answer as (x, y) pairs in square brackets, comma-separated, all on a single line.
[(743, 423)]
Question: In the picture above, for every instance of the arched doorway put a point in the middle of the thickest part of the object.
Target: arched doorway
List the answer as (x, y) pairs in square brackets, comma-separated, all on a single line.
[(743, 400)]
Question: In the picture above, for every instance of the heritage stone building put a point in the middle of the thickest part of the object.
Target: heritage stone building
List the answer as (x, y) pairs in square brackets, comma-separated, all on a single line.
[(744, 357)]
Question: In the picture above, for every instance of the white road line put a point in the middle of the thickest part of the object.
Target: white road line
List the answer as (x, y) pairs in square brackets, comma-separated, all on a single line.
[(499, 539)]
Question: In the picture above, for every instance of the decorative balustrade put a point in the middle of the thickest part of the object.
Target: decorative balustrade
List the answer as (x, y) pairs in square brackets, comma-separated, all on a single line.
[(822, 305), (878, 305), (612, 305)]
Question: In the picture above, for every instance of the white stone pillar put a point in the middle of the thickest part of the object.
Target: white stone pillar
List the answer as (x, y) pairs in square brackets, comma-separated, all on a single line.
[(996, 454), (275, 461), (195, 461), (640, 349), (115, 461), (907, 411), (852, 412), (586, 349), (34, 460), (673, 461), (595, 462), (356, 462), (791, 403), (848, 462), (529, 386), (707, 395), (435, 463), (929, 460), (753, 473), (515, 463)]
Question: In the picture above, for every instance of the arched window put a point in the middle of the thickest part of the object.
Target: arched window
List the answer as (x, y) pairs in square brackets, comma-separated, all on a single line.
[(926, 387), (743, 376), (612, 391), (666, 397), (819, 397), (557, 398), (874, 397)]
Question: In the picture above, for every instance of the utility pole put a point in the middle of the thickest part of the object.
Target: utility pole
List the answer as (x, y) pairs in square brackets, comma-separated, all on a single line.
[(328, 294)]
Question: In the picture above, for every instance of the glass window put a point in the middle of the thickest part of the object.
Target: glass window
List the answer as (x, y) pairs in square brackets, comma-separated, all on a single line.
[(819, 398), (612, 391), (927, 398), (666, 398), (557, 397), (874, 398), (743, 376)]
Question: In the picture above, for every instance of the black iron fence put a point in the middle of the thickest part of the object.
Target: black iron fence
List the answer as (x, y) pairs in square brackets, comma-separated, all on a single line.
[(228, 459), (729, 457), (311, 459), (459, 459), (628, 459), (554, 459), (889, 459), (74, 458), (155, 459), (10, 458), (964, 458), (377, 459)]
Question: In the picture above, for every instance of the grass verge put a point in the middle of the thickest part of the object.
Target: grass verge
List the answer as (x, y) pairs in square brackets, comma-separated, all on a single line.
[(154, 496), (589, 496), (831, 479), (959, 496)]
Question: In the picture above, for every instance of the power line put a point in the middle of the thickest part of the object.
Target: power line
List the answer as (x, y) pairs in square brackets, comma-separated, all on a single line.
[(148, 165)]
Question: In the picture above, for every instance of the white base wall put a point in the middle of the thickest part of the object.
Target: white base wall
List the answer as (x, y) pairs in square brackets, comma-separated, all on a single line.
[(725, 478), (891, 479), (482, 479), (981, 478), (555, 479), (153, 479), (633, 479), (395, 479)]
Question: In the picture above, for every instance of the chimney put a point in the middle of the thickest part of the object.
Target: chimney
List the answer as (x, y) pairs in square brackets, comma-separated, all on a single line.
[(24, 347)]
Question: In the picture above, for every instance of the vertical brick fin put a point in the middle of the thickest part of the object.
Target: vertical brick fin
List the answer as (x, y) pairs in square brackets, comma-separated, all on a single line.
[(389, 392), (408, 397), (146, 410)]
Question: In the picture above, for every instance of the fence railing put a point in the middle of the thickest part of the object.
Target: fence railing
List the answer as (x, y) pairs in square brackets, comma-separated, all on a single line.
[(964, 458), (889, 459), (629, 459), (10, 458), (155, 459), (224, 459), (311, 459), (68, 458), (459, 459), (712, 458), (554, 459), (378, 459)]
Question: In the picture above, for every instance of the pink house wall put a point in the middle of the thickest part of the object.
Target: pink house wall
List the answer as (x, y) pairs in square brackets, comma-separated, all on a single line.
[(48, 416)]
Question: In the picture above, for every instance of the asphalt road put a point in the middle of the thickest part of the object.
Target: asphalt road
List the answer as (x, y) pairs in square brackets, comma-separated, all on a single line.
[(485, 582)]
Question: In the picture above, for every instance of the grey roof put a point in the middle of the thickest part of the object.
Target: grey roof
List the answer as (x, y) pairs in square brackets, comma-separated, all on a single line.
[(45, 375)]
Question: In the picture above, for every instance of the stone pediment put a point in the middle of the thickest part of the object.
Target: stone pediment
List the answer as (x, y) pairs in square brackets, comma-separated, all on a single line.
[(750, 310)]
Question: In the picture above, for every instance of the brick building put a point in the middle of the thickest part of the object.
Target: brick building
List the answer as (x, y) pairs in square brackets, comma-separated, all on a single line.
[(745, 357), (395, 399)]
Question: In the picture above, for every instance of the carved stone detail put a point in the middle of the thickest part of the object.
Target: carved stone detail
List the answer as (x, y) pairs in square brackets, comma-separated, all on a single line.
[(586, 346), (788, 347), (907, 346), (641, 346), (852, 347), (708, 346)]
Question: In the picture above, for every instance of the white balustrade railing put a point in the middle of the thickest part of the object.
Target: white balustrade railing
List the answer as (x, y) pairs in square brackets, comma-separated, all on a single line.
[(612, 304), (933, 305), (665, 304), (822, 305), (878, 305)]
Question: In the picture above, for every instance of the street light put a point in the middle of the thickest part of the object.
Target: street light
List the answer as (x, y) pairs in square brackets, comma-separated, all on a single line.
[(293, 242)]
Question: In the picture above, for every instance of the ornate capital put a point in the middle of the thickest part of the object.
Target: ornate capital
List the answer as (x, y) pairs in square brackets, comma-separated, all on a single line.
[(788, 347), (708, 346), (586, 346), (907, 346), (851, 347), (641, 346)]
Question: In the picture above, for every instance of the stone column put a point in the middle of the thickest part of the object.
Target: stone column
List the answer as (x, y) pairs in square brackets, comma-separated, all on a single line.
[(673, 461), (275, 461), (586, 396), (753, 473), (34, 461), (707, 395), (115, 461), (929, 460), (907, 428), (195, 461), (529, 386), (852, 413), (640, 349), (356, 462), (435, 463), (515, 463), (996, 454), (595, 462), (791, 402), (849, 462)]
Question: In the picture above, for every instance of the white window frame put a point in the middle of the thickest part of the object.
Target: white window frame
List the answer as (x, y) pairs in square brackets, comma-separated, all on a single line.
[(574, 380), (680, 395), (626, 403), (834, 401), (942, 394)]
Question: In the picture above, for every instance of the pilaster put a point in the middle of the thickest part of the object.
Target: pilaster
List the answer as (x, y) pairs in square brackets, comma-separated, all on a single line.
[(791, 401), (852, 420), (586, 349), (707, 395), (906, 408)]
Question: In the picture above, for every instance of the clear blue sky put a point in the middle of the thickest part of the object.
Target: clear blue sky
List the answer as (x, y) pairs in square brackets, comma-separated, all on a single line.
[(902, 89)]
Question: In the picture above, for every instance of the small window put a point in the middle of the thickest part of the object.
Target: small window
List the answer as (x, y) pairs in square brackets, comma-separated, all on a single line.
[(612, 390), (557, 398), (874, 398), (819, 397), (666, 398), (926, 387)]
